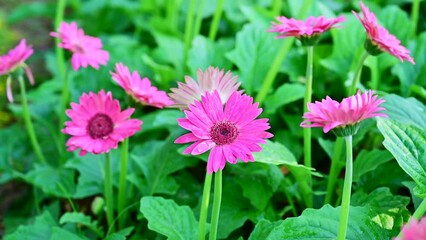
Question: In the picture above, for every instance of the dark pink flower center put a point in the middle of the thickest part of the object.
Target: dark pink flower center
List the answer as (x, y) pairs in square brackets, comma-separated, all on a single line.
[(223, 132), (100, 126)]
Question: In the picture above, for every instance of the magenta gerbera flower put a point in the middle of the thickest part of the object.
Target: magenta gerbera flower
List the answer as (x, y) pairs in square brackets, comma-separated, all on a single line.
[(87, 50), (230, 131), (332, 115), (414, 230), (379, 39), (13, 60), (140, 89), (98, 124), (310, 29), (210, 80)]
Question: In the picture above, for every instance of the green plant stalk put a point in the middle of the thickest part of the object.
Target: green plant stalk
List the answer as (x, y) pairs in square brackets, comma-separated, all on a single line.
[(188, 31), (216, 204), (289, 197), (414, 17), (375, 78), (358, 71), (344, 214), (334, 169), (420, 211), (204, 207), (199, 18), (276, 7), (67, 196), (172, 9), (307, 131), (278, 60), (28, 123), (62, 74), (216, 20), (122, 184), (108, 191)]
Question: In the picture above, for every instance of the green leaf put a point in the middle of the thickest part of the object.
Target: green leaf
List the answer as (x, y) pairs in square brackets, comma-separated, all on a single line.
[(40, 229), (165, 118), (121, 235), (61, 234), (367, 161), (407, 144), (415, 114), (166, 217), (80, 218), (263, 228), (252, 54), (285, 94), (275, 153), (323, 224), (31, 10)]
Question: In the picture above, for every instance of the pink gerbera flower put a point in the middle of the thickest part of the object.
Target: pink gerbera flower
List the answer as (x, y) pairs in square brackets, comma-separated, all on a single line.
[(140, 89), (379, 39), (230, 131), (414, 230), (13, 60), (307, 30), (210, 80), (330, 114), (87, 50), (98, 124)]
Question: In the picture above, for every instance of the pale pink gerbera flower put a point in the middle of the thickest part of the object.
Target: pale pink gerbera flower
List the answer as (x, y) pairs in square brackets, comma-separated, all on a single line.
[(140, 89), (13, 60), (98, 124), (414, 230), (87, 50), (310, 29), (230, 131), (210, 80), (343, 117), (379, 39)]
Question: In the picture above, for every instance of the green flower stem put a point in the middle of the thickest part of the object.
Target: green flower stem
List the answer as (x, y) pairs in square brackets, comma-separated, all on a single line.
[(358, 71), (28, 123), (288, 196), (204, 207), (216, 19), (279, 58), (336, 167), (344, 215), (108, 191), (199, 17), (276, 7), (188, 31), (414, 17), (420, 211), (122, 193), (62, 75), (307, 131), (216, 204)]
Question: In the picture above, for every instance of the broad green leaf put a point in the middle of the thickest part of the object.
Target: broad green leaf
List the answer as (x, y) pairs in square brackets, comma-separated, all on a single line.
[(120, 235), (367, 161), (391, 209), (163, 74), (285, 94), (263, 228), (170, 50), (415, 114), (275, 153), (323, 224), (407, 143), (166, 217), (61, 234), (205, 53), (31, 10), (80, 218), (166, 118), (253, 52), (40, 229)]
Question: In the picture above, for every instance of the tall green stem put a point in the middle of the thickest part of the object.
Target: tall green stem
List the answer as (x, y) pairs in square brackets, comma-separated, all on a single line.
[(420, 211), (62, 74), (199, 17), (216, 204), (204, 207), (108, 191), (188, 30), (276, 7), (344, 215), (336, 166), (414, 17), (216, 19), (122, 193), (307, 131), (28, 123), (358, 71)]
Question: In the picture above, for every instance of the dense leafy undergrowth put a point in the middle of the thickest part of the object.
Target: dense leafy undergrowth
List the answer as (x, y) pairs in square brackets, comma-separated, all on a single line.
[(267, 199)]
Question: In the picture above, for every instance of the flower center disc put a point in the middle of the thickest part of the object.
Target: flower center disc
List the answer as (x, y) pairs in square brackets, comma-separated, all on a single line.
[(223, 132), (100, 126)]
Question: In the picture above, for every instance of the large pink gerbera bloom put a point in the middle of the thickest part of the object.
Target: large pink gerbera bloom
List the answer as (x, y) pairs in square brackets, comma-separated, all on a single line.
[(210, 80), (330, 114), (414, 230), (98, 124), (379, 39), (230, 131), (140, 89), (87, 50), (13, 60), (312, 27)]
